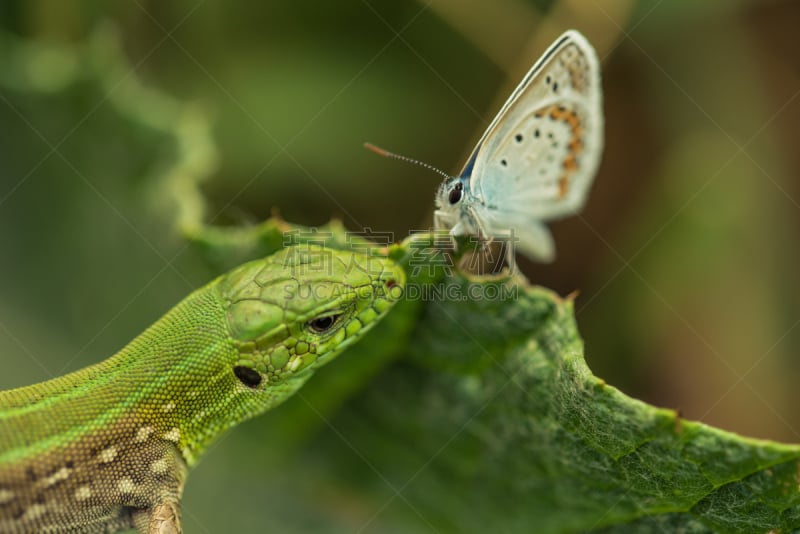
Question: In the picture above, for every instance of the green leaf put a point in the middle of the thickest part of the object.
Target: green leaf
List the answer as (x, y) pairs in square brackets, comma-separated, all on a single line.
[(534, 439)]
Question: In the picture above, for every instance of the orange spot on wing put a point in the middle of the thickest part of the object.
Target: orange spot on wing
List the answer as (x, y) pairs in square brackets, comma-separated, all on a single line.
[(563, 186), (575, 146), (573, 121)]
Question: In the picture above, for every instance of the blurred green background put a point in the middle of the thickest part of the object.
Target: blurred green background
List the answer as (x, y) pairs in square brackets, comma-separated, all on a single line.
[(685, 257)]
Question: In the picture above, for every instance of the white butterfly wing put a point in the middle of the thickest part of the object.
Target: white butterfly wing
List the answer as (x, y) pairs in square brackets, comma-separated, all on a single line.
[(539, 156)]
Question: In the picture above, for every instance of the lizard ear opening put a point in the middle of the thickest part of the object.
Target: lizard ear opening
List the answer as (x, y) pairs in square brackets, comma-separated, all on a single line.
[(247, 376)]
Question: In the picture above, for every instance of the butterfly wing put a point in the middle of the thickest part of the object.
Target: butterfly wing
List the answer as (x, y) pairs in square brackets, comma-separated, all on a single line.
[(539, 156)]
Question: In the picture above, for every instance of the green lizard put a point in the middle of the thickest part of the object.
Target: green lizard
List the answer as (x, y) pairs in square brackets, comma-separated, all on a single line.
[(108, 447)]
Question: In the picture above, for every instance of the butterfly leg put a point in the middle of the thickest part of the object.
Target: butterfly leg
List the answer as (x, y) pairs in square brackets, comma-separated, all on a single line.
[(487, 239), (440, 222)]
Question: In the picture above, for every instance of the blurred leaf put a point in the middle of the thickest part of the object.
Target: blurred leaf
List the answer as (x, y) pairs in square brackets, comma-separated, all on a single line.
[(86, 229)]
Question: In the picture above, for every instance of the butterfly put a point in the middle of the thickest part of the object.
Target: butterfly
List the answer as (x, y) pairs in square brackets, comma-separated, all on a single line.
[(537, 159)]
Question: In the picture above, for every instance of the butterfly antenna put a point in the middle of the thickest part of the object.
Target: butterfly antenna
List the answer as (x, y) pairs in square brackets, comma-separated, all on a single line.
[(386, 154)]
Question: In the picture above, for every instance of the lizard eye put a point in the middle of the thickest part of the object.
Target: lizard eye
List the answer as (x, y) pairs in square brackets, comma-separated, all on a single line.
[(322, 324), (455, 193), (247, 375)]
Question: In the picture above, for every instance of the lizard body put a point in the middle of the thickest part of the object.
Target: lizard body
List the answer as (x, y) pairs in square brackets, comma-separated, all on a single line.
[(108, 447)]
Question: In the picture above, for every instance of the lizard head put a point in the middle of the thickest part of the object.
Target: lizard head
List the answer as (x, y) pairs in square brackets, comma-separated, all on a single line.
[(296, 310)]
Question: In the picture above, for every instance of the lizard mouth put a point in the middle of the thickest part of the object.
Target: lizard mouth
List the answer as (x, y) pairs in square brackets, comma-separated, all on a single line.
[(308, 370)]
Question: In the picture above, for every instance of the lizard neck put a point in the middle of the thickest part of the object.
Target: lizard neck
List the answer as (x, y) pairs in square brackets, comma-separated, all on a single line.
[(172, 381), (73, 449)]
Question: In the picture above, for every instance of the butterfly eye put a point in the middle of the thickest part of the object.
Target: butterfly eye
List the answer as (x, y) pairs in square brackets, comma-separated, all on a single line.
[(455, 193)]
